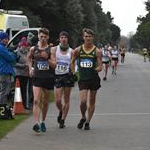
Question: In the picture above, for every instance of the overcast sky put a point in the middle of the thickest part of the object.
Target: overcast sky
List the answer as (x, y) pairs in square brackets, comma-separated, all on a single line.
[(125, 13)]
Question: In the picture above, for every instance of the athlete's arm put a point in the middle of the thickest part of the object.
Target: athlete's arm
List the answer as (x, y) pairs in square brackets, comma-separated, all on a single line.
[(30, 60), (52, 60), (75, 54), (99, 60)]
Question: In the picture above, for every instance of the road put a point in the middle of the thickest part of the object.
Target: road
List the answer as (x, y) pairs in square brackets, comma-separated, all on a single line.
[(121, 120)]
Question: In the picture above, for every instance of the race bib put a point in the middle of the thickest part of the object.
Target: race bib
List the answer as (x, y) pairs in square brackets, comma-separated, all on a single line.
[(43, 65), (86, 63), (62, 67), (115, 56)]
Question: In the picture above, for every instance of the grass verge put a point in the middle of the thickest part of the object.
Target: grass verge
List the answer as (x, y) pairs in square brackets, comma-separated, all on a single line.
[(8, 125)]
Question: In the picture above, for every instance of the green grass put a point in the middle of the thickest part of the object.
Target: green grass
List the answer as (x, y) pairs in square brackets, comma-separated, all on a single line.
[(51, 96), (8, 125)]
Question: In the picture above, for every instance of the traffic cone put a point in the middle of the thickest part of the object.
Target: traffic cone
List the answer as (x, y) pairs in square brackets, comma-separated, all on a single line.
[(18, 107)]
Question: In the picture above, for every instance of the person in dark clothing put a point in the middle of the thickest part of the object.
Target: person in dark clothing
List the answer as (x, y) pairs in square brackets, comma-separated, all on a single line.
[(89, 65), (43, 77)]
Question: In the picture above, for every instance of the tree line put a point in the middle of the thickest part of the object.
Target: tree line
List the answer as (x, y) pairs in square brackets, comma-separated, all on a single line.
[(142, 36), (68, 15)]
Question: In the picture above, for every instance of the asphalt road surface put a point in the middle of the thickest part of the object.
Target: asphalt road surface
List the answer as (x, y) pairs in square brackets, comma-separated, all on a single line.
[(121, 120)]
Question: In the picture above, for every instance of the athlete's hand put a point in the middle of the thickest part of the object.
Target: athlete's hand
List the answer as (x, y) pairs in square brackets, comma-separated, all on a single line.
[(73, 76), (98, 69), (31, 72)]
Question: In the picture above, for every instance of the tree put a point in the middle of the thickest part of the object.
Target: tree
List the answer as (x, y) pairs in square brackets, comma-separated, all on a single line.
[(143, 34), (143, 31), (69, 15), (115, 33)]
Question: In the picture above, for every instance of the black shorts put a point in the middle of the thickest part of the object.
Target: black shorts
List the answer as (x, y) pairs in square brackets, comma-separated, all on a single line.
[(123, 55), (115, 59), (63, 81), (47, 83), (105, 62), (91, 84)]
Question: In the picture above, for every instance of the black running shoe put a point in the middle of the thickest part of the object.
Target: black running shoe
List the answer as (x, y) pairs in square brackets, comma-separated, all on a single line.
[(59, 117), (43, 127), (62, 124), (36, 128), (104, 78), (81, 123), (87, 126)]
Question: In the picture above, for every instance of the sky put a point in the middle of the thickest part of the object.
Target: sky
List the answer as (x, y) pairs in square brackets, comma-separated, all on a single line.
[(125, 13)]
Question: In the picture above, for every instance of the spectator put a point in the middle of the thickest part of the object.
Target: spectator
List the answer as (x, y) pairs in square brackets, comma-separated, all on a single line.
[(7, 61), (22, 72)]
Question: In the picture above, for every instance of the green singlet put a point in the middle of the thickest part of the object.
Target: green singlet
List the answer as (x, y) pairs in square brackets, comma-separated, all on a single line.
[(87, 63)]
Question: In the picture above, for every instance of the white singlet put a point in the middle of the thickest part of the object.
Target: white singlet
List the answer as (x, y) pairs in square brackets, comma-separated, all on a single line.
[(63, 61)]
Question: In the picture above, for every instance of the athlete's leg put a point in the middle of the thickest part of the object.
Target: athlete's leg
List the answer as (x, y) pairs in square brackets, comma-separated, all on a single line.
[(58, 102), (45, 102), (65, 110), (91, 107), (67, 92), (83, 104), (36, 108), (58, 97), (105, 67), (83, 107), (44, 108), (113, 64), (123, 58)]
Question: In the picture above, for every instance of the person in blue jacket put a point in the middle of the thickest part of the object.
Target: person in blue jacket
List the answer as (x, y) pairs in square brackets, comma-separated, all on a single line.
[(7, 61)]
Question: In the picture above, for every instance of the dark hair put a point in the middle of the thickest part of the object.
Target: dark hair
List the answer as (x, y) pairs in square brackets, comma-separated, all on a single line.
[(44, 30), (89, 31), (64, 33)]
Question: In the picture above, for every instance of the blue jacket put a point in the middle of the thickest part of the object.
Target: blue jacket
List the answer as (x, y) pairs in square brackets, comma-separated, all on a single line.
[(7, 60)]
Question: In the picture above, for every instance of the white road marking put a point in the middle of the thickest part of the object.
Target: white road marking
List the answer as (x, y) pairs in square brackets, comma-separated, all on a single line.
[(109, 114)]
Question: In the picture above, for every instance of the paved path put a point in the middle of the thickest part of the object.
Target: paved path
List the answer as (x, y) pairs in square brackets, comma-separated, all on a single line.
[(121, 120)]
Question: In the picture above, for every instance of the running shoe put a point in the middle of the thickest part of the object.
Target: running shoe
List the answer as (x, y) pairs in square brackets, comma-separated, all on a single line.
[(104, 78), (36, 128), (87, 126), (62, 124), (81, 123), (43, 127), (59, 117)]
